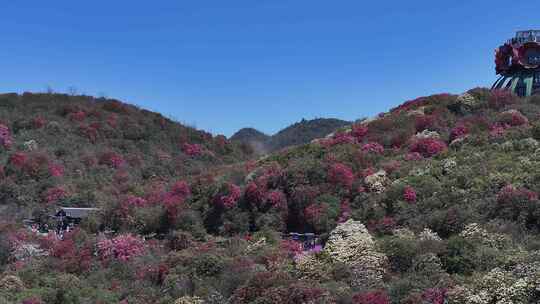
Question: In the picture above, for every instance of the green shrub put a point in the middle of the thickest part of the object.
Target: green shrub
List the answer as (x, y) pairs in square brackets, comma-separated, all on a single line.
[(400, 252), (208, 265), (459, 256)]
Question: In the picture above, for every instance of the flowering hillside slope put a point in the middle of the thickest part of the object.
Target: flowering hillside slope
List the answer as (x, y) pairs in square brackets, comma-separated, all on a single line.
[(82, 151), (434, 202)]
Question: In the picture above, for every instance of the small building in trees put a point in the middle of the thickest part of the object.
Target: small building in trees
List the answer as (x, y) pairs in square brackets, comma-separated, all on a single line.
[(68, 217), (74, 215)]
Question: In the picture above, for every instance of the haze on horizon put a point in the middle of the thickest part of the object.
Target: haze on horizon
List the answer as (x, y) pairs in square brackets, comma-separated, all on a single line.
[(264, 64)]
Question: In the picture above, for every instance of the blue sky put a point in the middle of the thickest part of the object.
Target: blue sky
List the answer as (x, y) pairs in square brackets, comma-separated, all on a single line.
[(224, 65)]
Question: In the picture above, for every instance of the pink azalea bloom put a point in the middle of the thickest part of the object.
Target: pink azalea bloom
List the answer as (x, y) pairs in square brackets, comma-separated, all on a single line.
[(409, 194), (373, 147)]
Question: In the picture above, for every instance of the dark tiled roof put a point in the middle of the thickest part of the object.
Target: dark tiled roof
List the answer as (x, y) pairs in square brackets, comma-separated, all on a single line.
[(77, 212)]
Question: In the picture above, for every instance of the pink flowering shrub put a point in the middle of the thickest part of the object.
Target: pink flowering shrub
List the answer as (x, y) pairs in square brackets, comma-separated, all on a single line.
[(343, 138), (359, 131), (391, 166), (413, 156), (36, 165), (435, 295), (5, 137), (74, 257), (409, 194), (90, 131), (517, 204), (277, 287), (367, 172), (410, 104), (77, 116), (174, 199), (340, 174), (18, 159), (121, 248), (135, 201), (230, 197), (437, 99), (254, 193), (192, 149), (55, 194), (509, 194), (501, 98), (314, 212), (32, 300), (277, 199), (345, 211), (372, 297), (400, 138), (460, 130), (373, 147), (152, 273), (339, 138), (383, 226), (513, 118), (112, 120), (17, 238), (181, 189), (56, 170), (112, 159), (425, 122), (497, 130), (38, 122), (291, 247), (428, 147)]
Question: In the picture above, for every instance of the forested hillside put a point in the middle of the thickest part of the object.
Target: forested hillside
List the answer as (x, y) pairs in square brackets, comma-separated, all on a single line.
[(79, 150), (434, 202)]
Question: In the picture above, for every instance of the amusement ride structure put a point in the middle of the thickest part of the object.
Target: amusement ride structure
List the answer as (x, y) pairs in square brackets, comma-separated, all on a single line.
[(518, 64)]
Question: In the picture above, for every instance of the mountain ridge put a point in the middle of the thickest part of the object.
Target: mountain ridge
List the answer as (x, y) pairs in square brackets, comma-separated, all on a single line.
[(297, 133)]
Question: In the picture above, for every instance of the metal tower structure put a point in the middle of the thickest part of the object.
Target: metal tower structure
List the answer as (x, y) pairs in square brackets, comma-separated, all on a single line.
[(518, 64)]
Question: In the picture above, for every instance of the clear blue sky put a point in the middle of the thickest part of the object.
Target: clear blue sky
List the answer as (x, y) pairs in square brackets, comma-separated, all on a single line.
[(223, 65)]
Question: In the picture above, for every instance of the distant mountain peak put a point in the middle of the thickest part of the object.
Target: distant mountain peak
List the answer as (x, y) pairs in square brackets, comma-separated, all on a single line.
[(296, 134)]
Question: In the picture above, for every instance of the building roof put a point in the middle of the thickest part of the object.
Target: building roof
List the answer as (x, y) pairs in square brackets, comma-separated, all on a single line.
[(77, 212)]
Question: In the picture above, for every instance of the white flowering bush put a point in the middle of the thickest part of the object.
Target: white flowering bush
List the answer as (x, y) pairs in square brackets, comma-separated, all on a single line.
[(30, 145), (11, 283), (427, 134), (189, 300), (350, 243), (468, 103), (252, 247), (377, 181), (529, 143), (496, 287), (448, 165), (404, 233), (429, 235), (473, 232), (314, 266)]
